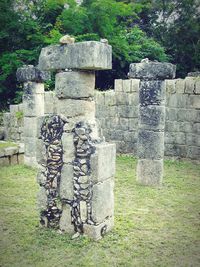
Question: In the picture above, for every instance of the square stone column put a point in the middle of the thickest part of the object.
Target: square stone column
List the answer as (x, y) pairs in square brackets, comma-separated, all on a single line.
[(151, 122), (33, 107), (77, 169)]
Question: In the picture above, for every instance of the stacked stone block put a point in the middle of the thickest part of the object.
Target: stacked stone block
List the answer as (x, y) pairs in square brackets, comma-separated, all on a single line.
[(33, 107), (117, 111), (13, 122), (150, 145), (77, 166)]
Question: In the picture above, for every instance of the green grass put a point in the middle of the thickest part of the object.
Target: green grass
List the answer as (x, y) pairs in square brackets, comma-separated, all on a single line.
[(4, 144), (153, 227)]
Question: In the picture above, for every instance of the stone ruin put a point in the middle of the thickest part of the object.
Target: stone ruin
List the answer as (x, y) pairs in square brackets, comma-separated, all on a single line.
[(76, 165), (151, 123)]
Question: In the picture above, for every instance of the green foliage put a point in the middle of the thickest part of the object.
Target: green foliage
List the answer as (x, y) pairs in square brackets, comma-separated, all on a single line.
[(19, 115)]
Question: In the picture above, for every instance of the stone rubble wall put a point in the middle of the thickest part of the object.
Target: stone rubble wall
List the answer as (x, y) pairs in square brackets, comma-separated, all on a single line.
[(117, 111)]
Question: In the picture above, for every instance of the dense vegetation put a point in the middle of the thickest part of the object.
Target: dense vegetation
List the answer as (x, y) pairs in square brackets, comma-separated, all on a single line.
[(160, 30)]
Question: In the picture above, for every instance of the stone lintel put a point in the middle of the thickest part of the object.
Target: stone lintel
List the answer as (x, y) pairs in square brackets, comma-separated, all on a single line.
[(150, 70), (31, 73), (88, 55)]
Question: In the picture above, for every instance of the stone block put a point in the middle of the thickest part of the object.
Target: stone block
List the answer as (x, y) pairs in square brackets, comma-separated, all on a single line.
[(33, 105), (196, 128), (31, 73), (133, 99), (83, 210), (180, 86), (41, 178), (152, 93), (152, 117), (175, 138), (41, 153), (117, 135), (152, 70), (197, 86), (135, 83), (32, 88), (49, 102), (110, 99), (103, 162), (149, 172), (122, 98), (118, 85), (96, 232), (150, 144), (193, 152), (14, 159), (76, 108), (20, 158), (9, 151), (30, 126), (194, 101), (189, 85), (193, 140), (66, 220), (102, 201), (177, 100), (42, 199), (126, 85), (88, 55), (66, 182), (175, 150), (171, 114), (99, 98), (30, 144), (170, 86), (123, 124), (133, 124), (4, 161), (68, 147), (187, 127), (30, 161), (187, 115), (75, 84)]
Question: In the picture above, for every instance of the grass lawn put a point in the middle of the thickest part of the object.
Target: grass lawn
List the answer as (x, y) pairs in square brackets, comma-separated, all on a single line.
[(153, 227)]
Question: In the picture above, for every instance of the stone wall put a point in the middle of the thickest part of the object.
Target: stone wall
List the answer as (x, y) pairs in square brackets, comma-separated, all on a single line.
[(13, 122), (117, 111)]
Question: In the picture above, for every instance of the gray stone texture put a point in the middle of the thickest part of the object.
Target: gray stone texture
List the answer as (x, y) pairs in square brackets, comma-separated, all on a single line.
[(88, 55), (96, 232), (151, 70), (103, 162), (149, 172), (102, 201), (31, 73), (75, 84), (65, 220), (66, 183)]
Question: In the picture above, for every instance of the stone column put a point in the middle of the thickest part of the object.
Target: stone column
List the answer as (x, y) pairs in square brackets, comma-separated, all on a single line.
[(150, 145), (33, 107), (78, 166)]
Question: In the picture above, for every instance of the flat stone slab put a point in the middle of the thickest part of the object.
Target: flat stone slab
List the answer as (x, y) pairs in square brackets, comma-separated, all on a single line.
[(152, 70), (89, 55), (31, 73)]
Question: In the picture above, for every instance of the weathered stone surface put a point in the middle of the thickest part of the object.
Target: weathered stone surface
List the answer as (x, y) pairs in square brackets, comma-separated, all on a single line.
[(197, 86), (30, 161), (75, 84), (150, 144), (150, 172), (31, 73), (9, 151), (30, 126), (66, 182), (118, 86), (41, 153), (189, 85), (152, 93), (152, 70), (76, 108), (33, 102), (103, 162), (66, 39), (180, 86), (135, 85), (2, 133), (194, 74), (83, 210), (102, 200), (152, 117), (41, 178), (4, 161), (65, 220), (30, 146), (89, 55), (170, 86), (68, 147), (14, 159), (42, 199), (50, 102), (96, 232)]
